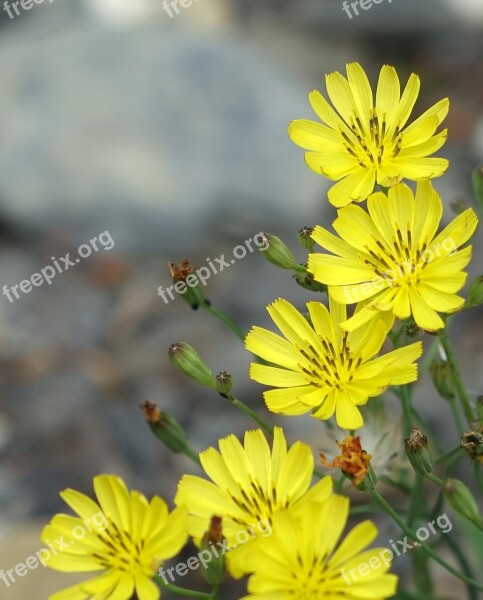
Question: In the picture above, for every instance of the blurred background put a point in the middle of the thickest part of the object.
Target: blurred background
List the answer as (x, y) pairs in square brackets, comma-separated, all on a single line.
[(169, 132)]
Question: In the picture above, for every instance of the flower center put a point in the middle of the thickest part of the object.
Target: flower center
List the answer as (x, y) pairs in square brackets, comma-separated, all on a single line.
[(121, 553), (257, 503), (334, 368), (371, 147)]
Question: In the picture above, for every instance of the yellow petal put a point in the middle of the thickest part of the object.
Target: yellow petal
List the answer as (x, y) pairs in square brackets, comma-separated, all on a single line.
[(347, 414), (388, 92), (423, 314), (312, 136), (353, 188), (277, 377)]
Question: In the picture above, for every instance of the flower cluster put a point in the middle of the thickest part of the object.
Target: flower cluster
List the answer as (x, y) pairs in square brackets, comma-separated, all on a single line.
[(386, 275)]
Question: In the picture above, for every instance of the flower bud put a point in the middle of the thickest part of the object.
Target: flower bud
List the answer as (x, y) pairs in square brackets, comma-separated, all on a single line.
[(188, 361), (186, 283), (276, 252), (305, 238), (307, 281), (475, 293), (418, 453), (412, 330), (224, 384), (213, 569), (472, 441), (477, 178), (165, 427), (460, 498), (442, 378)]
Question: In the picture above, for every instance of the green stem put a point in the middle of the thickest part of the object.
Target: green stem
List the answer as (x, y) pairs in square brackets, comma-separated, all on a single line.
[(215, 591), (233, 327), (478, 475), (397, 484), (465, 567), (422, 578), (416, 498), (458, 380), (456, 416), (449, 454), (412, 534), (406, 407), (299, 268), (182, 591), (190, 453), (253, 415), (340, 484), (435, 479)]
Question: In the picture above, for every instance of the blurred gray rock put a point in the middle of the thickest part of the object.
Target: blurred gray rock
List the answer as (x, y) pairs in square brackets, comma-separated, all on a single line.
[(147, 132)]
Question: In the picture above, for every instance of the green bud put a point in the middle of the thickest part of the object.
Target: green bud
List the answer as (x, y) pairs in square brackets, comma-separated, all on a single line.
[(277, 252), (165, 427), (475, 293), (418, 453), (369, 482), (477, 178), (460, 498), (213, 569), (412, 330), (307, 281), (186, 283), (442, 378), (224, 383), (305, 238), (472, 441), (188, 361)]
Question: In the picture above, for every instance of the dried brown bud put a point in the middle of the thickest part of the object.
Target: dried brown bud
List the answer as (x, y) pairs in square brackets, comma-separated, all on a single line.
[(151, 412)]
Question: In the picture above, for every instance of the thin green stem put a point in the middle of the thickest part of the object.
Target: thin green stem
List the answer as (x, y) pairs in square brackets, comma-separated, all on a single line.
[(215, 591), (416, 498), (458, 380), (465, 567), (190, 453), (397, 484), (252, 414), (182, 591), (410, 533), (233, 327), (435, 479), (456, 416), (405, 396), (299, 268), (449, 454), (340, 484), (478, 474)]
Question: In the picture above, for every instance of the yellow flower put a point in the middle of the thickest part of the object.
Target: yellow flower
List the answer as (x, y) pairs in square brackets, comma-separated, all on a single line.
[(366, 142), (250, 485), (323, 368), (392, 258), (303, 559), (124, 536)]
